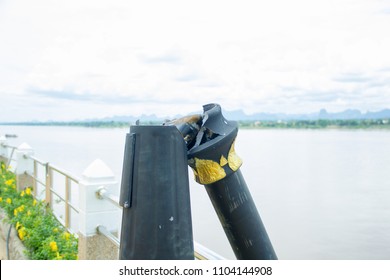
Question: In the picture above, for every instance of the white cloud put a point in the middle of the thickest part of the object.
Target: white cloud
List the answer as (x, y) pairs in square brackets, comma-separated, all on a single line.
[(119, 57)]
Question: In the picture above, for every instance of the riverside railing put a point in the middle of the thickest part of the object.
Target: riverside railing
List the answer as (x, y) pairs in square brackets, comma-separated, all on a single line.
[(10, 157), (31, 171), (98, 214), (50, 172)]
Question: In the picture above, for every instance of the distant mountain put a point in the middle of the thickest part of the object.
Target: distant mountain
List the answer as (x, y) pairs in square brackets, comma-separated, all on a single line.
[(130, 119), (239, 115), (384, 114)]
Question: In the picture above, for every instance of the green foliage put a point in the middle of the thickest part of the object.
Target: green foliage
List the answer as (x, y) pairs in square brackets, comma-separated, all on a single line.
[(319, 124), (295, 124), (42, 234)]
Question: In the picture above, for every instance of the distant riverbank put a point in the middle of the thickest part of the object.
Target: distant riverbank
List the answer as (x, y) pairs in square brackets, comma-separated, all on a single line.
[(319, 124), (258, 124)]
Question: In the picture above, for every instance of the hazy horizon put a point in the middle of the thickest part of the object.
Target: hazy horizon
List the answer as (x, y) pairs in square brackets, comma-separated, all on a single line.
[(238, 115)]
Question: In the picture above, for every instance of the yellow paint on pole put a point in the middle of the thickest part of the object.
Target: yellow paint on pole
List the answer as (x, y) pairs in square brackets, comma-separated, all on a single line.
[(234, 160), (223, 161), (208, 171)]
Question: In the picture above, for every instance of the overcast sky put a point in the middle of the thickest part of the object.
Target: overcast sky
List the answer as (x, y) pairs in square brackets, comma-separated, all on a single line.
[(76, 59)]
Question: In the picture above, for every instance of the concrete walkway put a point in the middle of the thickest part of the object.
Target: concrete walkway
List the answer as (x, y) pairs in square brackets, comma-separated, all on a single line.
[(16, 247)]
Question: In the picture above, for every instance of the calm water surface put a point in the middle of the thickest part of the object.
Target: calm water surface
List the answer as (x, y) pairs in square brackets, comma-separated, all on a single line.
[(322, 194)]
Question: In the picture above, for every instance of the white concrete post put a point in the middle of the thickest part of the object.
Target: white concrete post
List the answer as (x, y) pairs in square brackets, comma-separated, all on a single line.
[(94, 212), (3, 150), (24, 166)]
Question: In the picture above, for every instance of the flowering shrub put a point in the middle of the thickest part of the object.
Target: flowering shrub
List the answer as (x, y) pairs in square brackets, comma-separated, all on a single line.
[(42, 234)]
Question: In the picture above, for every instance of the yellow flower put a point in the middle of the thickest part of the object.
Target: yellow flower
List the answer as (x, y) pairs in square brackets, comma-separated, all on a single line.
[(53, 246), (20, 208), (1, 199), (9, 200), (22, 233), (18, 225), (22, 193), (28, 191), (34, 202), (66, 235), (9, 182), (2, 165), (55, 230)]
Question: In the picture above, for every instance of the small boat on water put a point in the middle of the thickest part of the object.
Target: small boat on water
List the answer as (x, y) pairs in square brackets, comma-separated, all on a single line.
[(11, 136)]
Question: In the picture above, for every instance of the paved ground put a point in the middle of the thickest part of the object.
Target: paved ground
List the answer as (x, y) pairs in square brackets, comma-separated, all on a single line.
[(16, 247), (3, 250)]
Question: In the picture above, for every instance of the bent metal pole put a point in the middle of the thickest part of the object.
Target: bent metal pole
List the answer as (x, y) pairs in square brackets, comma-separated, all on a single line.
[(216, 165)]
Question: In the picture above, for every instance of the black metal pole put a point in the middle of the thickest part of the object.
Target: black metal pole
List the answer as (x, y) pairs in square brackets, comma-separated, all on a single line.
[(240, 219), (216, 165), (156, 222)]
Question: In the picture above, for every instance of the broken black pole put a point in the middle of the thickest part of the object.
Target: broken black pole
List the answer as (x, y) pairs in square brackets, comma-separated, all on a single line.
[(216, 165), (156, 221)]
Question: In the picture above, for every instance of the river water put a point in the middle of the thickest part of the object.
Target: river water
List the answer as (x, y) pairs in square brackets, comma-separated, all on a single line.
[(322, 194)]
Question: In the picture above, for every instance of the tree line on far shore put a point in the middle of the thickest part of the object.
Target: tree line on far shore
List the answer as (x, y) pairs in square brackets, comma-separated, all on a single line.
[(254, 124), (318, 124)]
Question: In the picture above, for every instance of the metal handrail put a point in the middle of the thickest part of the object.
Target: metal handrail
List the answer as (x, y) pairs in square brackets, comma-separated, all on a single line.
[(65, 173), (104, 231), (55, 168), (13, 148), (36, 179), (204, 253), (8, 146), (41, 162), (49, 168), (63, 199), (102, 193)]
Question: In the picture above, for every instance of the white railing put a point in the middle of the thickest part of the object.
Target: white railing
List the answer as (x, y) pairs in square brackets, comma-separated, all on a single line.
[(41, 176), (51, 172), (11, 154)]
